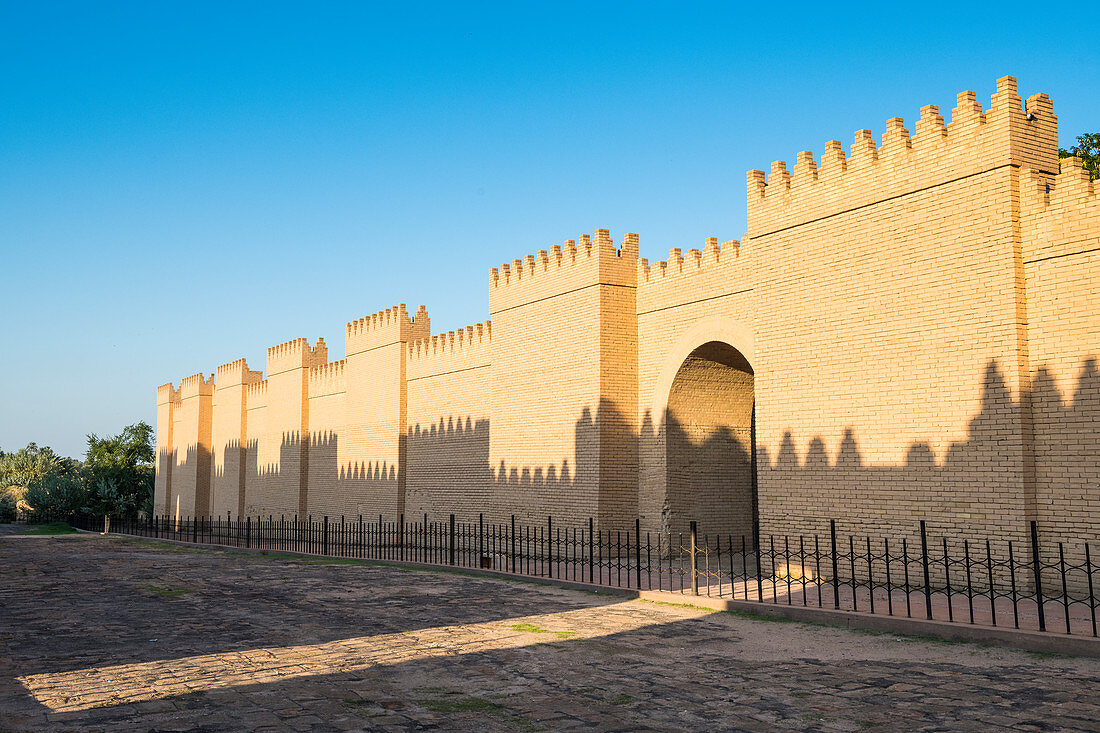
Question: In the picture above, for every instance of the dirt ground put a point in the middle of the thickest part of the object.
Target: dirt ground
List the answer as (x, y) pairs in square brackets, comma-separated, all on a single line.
[(127, 634)]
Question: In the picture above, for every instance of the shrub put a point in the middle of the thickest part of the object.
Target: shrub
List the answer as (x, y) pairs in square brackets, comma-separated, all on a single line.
[(56, 496)]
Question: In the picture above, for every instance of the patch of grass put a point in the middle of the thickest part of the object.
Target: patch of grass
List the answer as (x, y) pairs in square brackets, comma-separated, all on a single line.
[(533, 629), (166, 591), (622, 699), (52, 528), (469, 704)]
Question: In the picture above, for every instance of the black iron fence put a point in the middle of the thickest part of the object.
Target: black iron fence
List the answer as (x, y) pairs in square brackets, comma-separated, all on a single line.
[(1023, 583)]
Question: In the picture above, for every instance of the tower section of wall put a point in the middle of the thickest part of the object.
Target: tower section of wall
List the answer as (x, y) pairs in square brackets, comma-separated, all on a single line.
[(1061, 262), (167, 397), (229, 435), (892, 360), (189, 494), (375, 433), (278, 447), (449, 406), (564, 382)]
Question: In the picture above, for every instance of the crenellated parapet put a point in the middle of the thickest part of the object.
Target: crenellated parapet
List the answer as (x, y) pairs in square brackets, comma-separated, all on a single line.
[(167, 394), (389, 326), (295, 354), (255, 394), (196, 386), (564, 268), (975, 141), (328, 379), (464, 348), (695, 262), (694, 275), (1059, 214), (236, 373)]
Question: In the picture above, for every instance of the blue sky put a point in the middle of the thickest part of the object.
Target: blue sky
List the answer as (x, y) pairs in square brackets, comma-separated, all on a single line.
[(350, 156)]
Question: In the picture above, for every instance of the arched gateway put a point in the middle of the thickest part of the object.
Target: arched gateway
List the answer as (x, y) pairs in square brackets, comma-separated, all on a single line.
[(697, 460), (710, 457)]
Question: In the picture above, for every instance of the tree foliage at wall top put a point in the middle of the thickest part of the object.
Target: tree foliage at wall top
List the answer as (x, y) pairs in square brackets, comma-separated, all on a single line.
[(1088, 150)]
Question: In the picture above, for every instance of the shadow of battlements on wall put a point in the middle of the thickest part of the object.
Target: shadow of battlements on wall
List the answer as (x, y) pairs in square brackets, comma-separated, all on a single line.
[(979, 485)]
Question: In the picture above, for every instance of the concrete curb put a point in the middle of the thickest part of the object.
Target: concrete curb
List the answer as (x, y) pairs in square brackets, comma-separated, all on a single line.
[(1032, 641)]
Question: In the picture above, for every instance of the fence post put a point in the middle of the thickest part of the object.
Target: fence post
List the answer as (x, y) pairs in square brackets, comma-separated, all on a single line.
[(401, 536), (924, 563), (591, 552), (452, 541), (481, 540), (836, 572), (513, 543), (1038, 568), (549, 547), (694, 564), (194, 530), (638, 553), (324, 537), (248, 532)]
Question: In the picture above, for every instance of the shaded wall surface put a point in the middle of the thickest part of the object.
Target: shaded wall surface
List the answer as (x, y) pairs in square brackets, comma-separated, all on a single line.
[(908, 331)]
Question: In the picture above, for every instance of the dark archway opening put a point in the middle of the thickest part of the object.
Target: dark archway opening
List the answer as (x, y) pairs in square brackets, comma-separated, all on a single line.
[(711, 455)]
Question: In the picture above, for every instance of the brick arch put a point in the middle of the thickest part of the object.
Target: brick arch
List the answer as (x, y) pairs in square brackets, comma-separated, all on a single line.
[(726, 330), (654, 477)]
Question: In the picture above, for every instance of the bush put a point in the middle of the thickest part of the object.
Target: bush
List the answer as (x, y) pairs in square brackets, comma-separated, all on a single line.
[(56, 496)]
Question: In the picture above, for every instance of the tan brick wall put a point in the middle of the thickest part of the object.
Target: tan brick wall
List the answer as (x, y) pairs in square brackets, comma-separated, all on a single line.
[(556, 321), (229, 431), (914, 321), (277, 484), (327, 421), (189, 493), (1061, 258), (890, 347), (167, 396), (449, 404), (371, 449), (683, 303)]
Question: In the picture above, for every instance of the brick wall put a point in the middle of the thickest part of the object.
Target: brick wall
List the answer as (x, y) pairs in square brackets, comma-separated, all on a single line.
[(913, 324)]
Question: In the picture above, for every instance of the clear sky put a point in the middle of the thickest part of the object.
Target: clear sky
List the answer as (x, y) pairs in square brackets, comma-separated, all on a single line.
[(185, 184)]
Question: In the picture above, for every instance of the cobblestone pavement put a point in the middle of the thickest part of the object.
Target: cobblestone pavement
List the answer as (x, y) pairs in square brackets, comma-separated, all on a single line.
[(123, 634)]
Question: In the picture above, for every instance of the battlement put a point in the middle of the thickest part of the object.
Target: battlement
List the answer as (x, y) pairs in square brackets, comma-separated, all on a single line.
[(167, 394), (1071, 188), (1059, 214), (196, 385), (256, 394), (236, 373), (295, 354), (695, 262), (563, 268), (975, 141), (327, 379), (464, 348), (388, 326)]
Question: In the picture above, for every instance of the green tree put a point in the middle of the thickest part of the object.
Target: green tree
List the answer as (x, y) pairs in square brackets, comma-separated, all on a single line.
[(31, 463), (24, 468), (56, 496), (1088, 150), (120, 472)]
